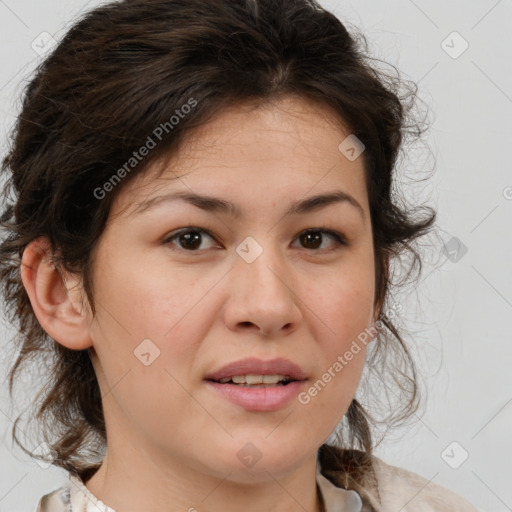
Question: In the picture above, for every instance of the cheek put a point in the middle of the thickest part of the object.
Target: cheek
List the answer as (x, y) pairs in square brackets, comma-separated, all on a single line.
[(147, 317), (144, 299), (342, 308), (343, 304)]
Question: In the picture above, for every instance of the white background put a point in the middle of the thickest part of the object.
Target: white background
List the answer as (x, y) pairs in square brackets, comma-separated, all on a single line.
[(460, 311)]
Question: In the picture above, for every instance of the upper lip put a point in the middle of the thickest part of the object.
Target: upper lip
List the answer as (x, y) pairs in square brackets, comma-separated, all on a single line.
[(254, 366)]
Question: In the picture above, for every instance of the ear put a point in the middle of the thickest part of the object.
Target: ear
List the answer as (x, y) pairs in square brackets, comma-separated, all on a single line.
[(56, 298)]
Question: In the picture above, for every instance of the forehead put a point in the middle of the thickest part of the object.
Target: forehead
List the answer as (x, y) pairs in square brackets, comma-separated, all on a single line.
[(280, 149)]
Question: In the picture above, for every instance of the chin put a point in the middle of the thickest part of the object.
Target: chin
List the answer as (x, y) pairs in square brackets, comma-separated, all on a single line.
[(262, 461)]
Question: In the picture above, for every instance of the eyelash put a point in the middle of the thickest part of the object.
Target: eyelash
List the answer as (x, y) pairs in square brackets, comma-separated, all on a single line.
[(338, 237)]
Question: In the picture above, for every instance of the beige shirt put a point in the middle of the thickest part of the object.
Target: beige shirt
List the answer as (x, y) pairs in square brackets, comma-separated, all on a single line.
[(399, 489)]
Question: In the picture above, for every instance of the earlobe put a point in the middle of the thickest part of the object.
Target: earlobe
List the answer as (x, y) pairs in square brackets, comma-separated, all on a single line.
[(55, 301)]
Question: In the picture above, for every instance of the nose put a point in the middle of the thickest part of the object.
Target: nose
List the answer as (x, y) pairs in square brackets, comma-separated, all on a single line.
[(263, 297)]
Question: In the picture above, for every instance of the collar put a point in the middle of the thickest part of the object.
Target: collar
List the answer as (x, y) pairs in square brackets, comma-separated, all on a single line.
[(337, 499), (82, 499)]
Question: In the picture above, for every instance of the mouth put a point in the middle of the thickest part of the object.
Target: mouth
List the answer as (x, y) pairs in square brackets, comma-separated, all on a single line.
[(253, 371), (256, 381), (258, 385)]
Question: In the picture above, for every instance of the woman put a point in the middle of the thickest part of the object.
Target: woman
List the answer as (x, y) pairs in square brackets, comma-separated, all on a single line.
[(201, 238)]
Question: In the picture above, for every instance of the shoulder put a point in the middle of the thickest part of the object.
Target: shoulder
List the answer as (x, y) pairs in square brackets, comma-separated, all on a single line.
[(55, 501), (400, 489)]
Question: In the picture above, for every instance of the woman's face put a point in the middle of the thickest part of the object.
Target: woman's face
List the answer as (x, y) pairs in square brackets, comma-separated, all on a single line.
[(184, 287)]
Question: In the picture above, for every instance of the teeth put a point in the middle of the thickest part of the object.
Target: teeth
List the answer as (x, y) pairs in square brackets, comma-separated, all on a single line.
[(255, 379), (273, 379)]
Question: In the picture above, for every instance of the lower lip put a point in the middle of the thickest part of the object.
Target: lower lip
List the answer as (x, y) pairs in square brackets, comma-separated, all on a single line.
[(258, 399)]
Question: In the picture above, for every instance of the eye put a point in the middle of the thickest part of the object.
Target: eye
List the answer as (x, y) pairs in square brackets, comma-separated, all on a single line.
[(190, 238), (314, 238)]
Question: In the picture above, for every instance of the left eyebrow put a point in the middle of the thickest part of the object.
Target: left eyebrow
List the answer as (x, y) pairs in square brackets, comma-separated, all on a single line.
[(217, 205)]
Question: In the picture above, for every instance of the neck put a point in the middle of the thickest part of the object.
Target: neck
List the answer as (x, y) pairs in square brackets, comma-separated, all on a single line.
[(130, 481)]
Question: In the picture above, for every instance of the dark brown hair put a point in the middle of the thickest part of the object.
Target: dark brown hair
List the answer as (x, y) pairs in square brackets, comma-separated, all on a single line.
[(125, 69)]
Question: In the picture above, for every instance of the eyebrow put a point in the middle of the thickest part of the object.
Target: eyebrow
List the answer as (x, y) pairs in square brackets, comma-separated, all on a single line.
[(217, 205)]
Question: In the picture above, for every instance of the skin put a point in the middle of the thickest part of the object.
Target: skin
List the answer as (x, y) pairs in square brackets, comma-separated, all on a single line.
[(172, 442)]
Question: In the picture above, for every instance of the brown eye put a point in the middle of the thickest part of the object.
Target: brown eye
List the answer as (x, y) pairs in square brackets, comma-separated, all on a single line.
[(189, 239), (313, 238)]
